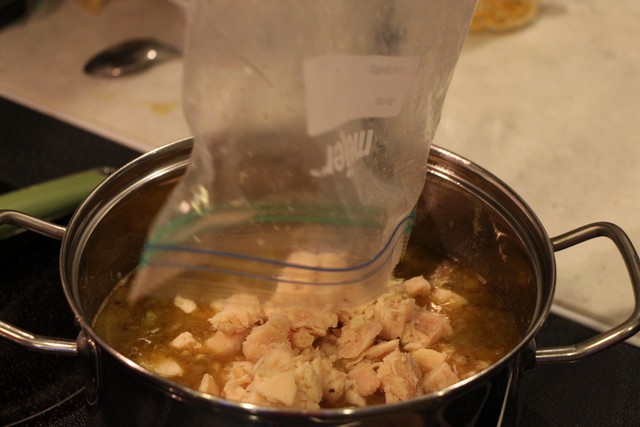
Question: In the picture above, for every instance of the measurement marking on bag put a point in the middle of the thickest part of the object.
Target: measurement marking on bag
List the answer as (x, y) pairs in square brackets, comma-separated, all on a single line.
[(341, 88)]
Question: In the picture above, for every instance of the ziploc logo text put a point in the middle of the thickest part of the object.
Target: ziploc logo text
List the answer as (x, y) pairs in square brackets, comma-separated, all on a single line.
[(342, 154)]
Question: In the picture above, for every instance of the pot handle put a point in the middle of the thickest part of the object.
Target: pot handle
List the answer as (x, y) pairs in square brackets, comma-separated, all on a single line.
[(20, 336), (619, 333), (27, 222), (51, 199), (39, 343)]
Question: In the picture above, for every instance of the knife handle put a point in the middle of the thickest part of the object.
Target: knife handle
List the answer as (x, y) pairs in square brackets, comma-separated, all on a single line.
[(51, 199)]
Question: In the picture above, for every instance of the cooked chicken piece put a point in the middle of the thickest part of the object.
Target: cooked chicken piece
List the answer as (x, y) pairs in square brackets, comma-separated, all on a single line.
[(185, 340), (400, 377), (364, 378), (312, 320), (428, 359), (379, 351), (277, 387), (208, 385), (258, 399), (184, 304), (225, 345), (424, 330), (309, 354), (440, 377), (274, 334), (302, 339), (309, 386), (393, 312), (448, 298), (375, 353), (275, 378), (478, 366), (237, 313), (300, 286), (354, 398), (435, 325), (357, 336), (323, 260), (333, 381), (283, 380), (164, 366), (417, 287), (238, 378)]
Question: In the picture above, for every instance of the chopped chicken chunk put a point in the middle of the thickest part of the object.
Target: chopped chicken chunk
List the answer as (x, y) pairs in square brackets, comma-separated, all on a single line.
[(417, 287), (314, 321), (425, 329), (224, 345), (357, 336), (333, 381), (393, 312), (428, 359), (364, 378), (208, 385), (185, 340), (185, 304), (274, 334), (354, 398), (379, 351), (165, 367), (237, 313), (440, 377), (400, 377), (239, 377), (275, 378), (309, 386), (302, 339), (442, 296)]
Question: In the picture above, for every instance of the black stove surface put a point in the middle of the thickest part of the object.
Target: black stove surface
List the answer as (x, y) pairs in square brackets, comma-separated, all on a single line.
[(32, 299), (44, 390)]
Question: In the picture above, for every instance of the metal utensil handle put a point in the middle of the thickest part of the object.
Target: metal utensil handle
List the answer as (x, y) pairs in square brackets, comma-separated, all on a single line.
[(619, 333), (20, 336)]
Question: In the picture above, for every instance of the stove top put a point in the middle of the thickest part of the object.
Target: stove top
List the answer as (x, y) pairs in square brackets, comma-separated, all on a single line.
[(44, 390), (35, 386)]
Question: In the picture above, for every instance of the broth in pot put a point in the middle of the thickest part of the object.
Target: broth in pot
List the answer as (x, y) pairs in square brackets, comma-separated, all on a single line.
[(436, 324)]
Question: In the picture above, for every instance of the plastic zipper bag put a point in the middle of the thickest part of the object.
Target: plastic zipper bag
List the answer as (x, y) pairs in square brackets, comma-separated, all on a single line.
[(312, 122)]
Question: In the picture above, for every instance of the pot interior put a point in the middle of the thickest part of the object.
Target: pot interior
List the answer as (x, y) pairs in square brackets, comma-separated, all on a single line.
[(463, 212)]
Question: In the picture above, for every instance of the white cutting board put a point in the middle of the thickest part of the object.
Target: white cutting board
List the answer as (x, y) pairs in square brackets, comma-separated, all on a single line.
[(41, 62)]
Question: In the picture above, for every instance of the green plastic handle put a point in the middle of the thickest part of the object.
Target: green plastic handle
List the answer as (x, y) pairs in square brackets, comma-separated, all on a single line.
[(51, 199)]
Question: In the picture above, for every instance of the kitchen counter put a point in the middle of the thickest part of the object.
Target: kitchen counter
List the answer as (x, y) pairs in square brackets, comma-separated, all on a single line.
[(552, 109)]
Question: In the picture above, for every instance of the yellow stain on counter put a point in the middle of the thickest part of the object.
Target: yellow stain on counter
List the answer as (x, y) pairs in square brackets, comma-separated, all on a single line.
[(162, 108)]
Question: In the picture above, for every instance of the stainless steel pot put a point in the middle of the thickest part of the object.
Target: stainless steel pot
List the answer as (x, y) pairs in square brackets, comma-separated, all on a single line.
[(464, 212)]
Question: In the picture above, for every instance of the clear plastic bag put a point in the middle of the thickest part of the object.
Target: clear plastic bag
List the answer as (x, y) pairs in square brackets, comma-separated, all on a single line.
[(312, 122)]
